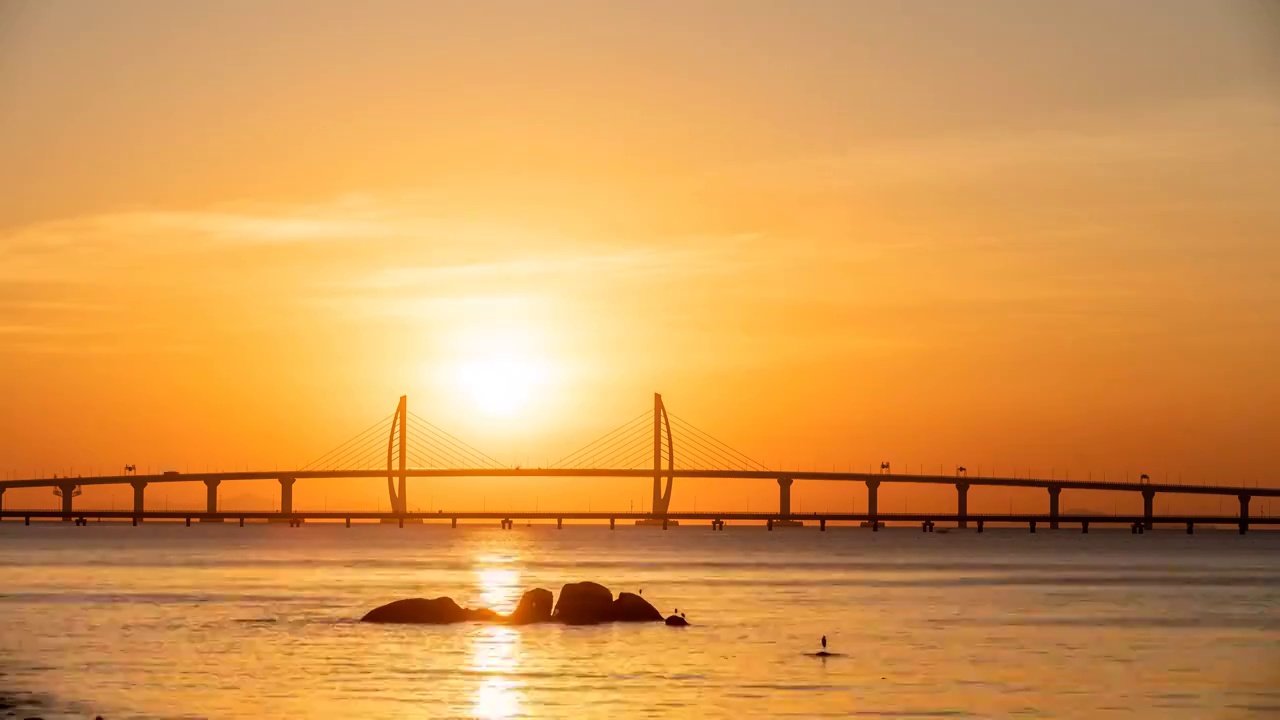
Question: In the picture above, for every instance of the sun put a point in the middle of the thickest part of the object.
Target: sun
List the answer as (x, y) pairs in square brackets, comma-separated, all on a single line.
[(497, 370), (501, 385)]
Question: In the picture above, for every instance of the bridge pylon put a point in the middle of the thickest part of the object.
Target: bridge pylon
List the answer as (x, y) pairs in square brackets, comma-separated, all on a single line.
[(399, 490), (662, 499)]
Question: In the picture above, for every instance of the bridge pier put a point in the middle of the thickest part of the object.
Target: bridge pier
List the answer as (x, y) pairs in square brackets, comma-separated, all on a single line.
[(1033, 527), (286, 495), (611, 523), (560, 523), (822, 524), (2, 499), (1084, 526), (454, 524), (873, 504), (139, 499), (68, 491), (1244, 513), (211, 500), (784, 504), (1148, 508), (769, 524), (962, 504), (980, 525), (1054, 492), (348, 522), (1191, 528)]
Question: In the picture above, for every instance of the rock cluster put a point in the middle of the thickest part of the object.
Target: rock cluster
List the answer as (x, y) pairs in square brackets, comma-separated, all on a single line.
[(581, 603)]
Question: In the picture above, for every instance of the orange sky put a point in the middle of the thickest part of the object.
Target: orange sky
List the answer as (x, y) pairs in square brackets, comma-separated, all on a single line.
[(999, 234)]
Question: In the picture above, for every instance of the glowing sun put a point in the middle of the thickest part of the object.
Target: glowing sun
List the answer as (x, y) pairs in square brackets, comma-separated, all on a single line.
[(501, 385)]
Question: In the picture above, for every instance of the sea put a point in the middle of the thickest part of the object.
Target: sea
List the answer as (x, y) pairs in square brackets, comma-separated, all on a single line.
[(262, 621)]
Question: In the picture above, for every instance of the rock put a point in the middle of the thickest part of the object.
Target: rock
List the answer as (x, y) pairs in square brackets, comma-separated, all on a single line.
[(630, 607), (436, 611), (581, 603), (584, 603), (483, 615), (535, 607), (677, 621)]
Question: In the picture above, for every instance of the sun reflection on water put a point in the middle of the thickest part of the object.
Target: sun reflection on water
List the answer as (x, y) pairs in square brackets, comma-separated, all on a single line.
[(495, 656), (499, 583), (495, 649)]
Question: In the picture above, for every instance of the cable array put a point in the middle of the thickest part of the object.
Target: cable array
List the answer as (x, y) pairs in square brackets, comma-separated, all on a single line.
[(362, 452), (426, 447), (627, 446), (630, 447), (698, 449), (430, 447)]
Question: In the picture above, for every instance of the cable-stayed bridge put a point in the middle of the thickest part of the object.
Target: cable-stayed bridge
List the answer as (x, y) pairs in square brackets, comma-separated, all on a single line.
[(654, 444)]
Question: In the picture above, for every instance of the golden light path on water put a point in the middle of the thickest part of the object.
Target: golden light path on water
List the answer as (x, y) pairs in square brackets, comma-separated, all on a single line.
[(495, 649)]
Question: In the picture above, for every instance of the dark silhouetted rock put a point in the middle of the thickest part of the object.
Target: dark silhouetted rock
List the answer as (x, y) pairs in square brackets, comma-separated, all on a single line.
[(535, 607), (630, 607), (677, 621), (484, 615), (584, 603), (436, 611)]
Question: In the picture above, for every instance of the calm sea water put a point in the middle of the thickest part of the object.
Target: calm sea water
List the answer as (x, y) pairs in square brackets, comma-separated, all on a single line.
[(229, 622)]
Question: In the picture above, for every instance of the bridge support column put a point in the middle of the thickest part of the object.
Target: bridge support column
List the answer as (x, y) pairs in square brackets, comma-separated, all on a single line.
[(1054, 492), (769, 524), (1191, 528), (1244, 513), (1084, 527), (139, 499), (822, 524), (559, 523), (784, 497), (286, 495), (1, 499), (962, 504), (611, 522), (873, 503), (1148, 505), (980, 524), (68, 491), (211, 500)]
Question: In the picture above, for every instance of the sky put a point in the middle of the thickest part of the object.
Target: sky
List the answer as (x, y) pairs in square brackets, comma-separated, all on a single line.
[(1022, 237)]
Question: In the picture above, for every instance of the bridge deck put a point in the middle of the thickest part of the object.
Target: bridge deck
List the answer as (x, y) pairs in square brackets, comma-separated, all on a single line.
[(443, 516), (1191, 489)]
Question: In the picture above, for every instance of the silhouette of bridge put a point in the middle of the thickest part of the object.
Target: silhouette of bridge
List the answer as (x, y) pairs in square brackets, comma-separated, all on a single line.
[(644, 447)]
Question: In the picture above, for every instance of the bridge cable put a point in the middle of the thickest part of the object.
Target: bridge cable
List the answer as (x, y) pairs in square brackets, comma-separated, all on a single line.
[(741, 457), (459, 444), (591, 447), (602, 456), (343, 446)]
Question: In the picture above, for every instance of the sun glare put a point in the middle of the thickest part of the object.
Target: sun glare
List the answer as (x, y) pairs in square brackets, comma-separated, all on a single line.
[(500, 386), (500, 373)]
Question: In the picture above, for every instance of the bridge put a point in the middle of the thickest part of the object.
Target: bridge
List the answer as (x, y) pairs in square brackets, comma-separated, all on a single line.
[(643, 447)]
